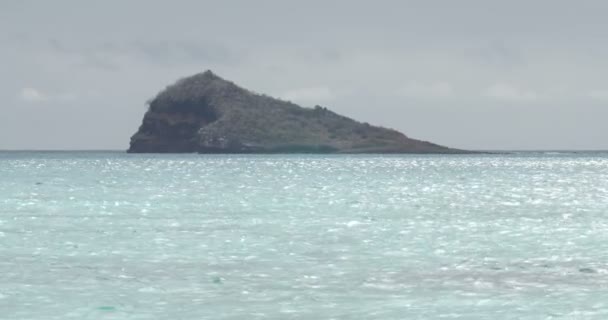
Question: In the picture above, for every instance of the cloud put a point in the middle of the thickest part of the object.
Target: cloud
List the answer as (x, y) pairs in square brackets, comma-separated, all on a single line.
[(32, 95), (504, 91), (599, 95), (183, 51), (312, 94), (429, 90), (121, 54)]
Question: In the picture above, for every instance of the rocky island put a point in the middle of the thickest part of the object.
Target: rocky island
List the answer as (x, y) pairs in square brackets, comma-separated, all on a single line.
[(207, 114)]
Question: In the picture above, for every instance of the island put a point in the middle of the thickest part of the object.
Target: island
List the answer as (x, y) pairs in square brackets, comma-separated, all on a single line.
[(204, 113)]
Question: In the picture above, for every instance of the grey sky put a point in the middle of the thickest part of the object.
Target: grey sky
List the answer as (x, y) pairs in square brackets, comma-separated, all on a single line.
[(468, 74)]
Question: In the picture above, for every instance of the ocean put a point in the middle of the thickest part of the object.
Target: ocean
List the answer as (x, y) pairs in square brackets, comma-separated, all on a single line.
[(109, 235)]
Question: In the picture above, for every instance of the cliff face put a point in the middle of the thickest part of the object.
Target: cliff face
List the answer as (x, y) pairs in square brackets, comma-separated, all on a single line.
[(207, 114)]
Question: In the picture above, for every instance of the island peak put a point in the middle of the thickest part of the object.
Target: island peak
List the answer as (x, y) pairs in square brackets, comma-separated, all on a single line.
[(205, 113)]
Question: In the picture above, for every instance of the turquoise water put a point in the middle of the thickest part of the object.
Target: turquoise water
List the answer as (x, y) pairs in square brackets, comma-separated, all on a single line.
[(117, 236)]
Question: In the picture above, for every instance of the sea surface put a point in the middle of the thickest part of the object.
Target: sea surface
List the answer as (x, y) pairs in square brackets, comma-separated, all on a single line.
[(108, 235)]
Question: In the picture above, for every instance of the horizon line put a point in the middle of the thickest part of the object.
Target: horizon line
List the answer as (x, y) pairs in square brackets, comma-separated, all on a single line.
[(476, 150)]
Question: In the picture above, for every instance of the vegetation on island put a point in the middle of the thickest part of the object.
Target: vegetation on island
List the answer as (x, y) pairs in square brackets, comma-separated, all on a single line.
[(207, 114)]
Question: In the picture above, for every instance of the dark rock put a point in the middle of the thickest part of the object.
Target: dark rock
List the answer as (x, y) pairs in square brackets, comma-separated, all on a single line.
[(207, 114)]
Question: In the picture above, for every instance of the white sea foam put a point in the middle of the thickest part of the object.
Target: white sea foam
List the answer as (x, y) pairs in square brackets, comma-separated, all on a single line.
[(353, 223)]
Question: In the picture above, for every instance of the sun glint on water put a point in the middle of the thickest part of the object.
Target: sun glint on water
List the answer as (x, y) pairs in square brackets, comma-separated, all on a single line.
[(109, 235)]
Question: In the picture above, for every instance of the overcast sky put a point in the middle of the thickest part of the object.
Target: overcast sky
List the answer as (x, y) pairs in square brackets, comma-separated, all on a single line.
[(468, 74)]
